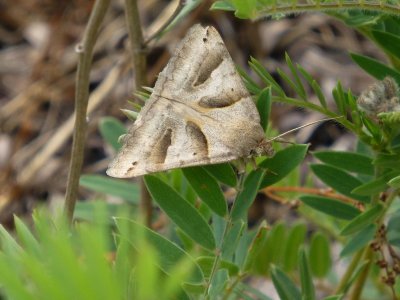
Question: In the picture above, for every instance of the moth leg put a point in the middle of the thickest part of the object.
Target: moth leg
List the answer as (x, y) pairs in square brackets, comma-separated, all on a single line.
[(240, 165)]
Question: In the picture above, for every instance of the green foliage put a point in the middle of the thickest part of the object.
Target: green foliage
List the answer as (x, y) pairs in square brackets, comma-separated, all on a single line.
[(349, 11), (320, 255), (207, 188), (208, 250), (111, 129), (53, 261), (115, 187), (181, 212)]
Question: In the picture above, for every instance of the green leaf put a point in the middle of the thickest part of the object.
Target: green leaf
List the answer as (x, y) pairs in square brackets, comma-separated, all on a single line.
[(331, 207), (375, 186), (243, 287), (206, 263), (299, 84), (86, 210), (295, 238), (256, 245), (181, 212), (307, 286), (116, 187), (245, 9), (391, 161), (339, 180), (223, 5), (26, 238), (375, 68), (251, 85), (218, 284), (314, 85), (285, 287), (265, 76), (359, 241), (223, 173), (395, 182), (282, 163), (232, 239), (363, 220), (320, 255), (334, 297), (188, 6), (290, 83), (207, 188), (349, 161), (388, 41), (247, 195), (8, 244), (339, 98), (111, 129), (372, 127), (169, 253), (12, 285), (273, 249), (264, 101)]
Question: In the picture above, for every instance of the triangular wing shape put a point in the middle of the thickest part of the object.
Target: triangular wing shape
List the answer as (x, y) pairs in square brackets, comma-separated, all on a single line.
[(199, 112)]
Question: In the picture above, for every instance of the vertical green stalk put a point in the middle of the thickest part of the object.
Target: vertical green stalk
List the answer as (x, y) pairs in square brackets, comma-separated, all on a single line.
[(85, 52), (227, 229), (369, 253), (139, 53), (349, 272)]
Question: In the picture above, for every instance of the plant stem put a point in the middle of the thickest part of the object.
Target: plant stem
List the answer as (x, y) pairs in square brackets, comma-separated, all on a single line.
[(85, 52), (178, 9), (139, 63), (369, 253), (358, 287), (377, 6), (341, 288), (315, 107), (227, 228)]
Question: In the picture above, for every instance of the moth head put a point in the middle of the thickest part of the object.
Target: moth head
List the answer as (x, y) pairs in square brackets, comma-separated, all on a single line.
[(263, 148)]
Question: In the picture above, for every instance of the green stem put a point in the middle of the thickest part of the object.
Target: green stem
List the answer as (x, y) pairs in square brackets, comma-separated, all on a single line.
[(85, 52), (237, 280), (227, 228), (314, 107), (296, 8), (343, 284), (368, 254), (359, 285)]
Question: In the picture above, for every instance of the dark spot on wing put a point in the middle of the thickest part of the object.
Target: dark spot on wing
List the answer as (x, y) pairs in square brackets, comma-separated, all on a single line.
[(198, 139), (211, 62), (131, 168), (216, 103), (159, 152)]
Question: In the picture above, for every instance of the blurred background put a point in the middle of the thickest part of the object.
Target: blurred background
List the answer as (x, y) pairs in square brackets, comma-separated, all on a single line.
[(37, 78)]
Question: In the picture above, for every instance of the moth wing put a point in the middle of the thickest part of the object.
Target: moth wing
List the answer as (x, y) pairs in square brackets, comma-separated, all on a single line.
[(199, 113)]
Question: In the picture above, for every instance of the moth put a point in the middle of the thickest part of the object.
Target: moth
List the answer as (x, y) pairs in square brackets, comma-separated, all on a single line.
[(199, 113)]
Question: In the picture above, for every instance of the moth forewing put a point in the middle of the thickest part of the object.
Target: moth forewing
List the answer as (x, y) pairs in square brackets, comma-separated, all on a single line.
[(198, 113)]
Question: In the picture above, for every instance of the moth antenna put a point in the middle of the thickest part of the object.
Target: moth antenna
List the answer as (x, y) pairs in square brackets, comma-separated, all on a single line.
[(300, 127), (284, 141)]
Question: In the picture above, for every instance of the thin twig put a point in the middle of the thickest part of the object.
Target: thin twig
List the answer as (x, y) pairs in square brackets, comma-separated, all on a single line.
[(85, 51), (228, 227), (167, 23), (139, 52)]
